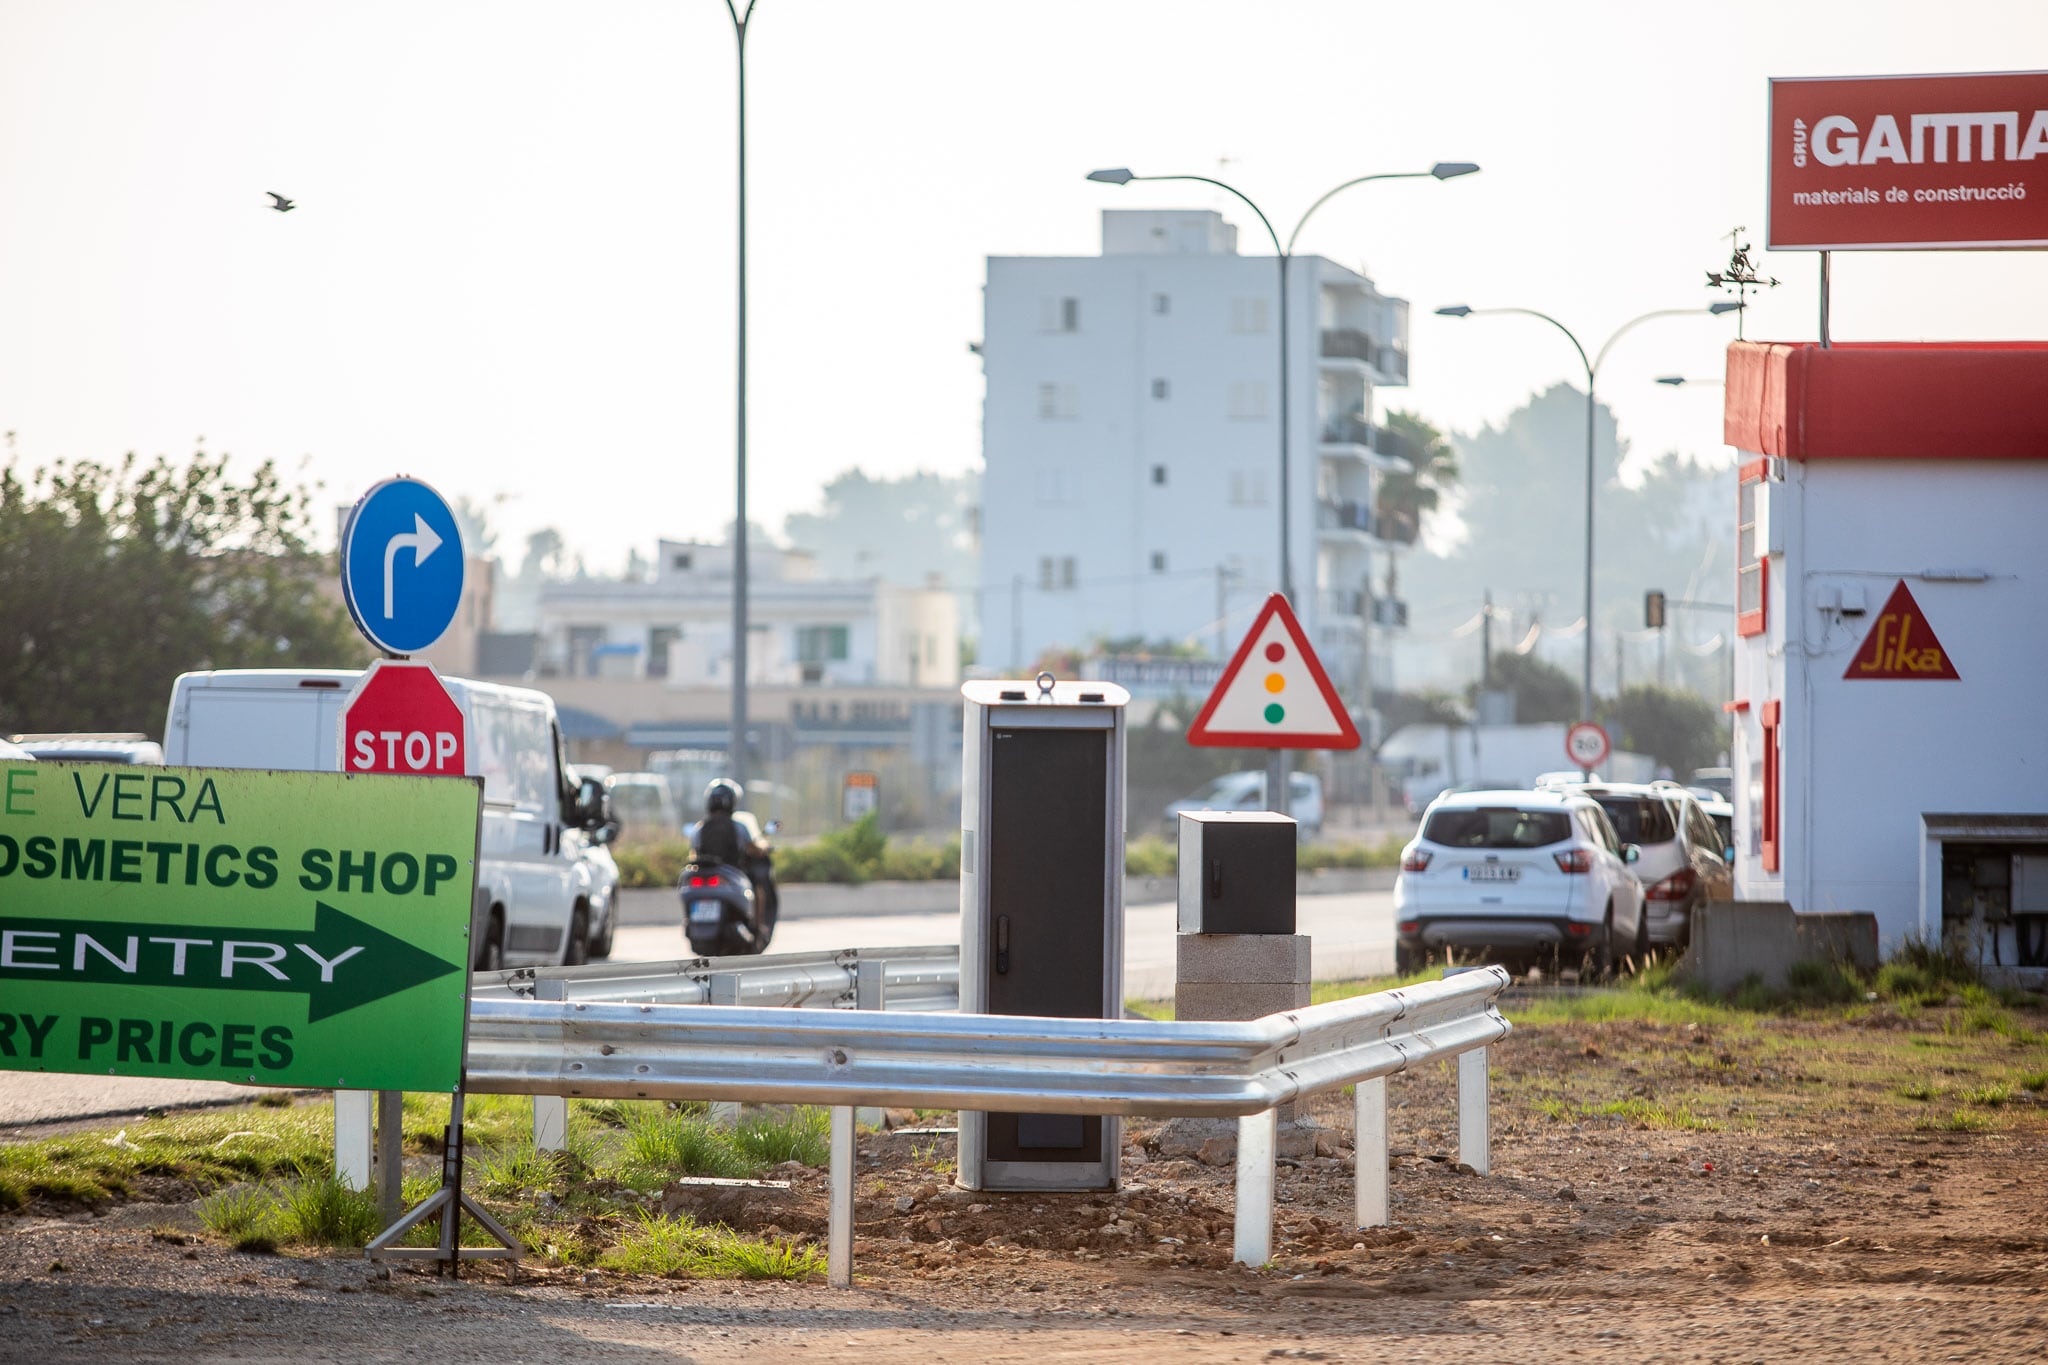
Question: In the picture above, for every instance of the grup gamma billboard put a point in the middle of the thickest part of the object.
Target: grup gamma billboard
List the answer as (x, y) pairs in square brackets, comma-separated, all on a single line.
[(1909, 162), (269, 928)]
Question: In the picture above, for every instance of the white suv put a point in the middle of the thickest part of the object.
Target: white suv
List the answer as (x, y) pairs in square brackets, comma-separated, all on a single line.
[(1519, 873), (1679, 862)]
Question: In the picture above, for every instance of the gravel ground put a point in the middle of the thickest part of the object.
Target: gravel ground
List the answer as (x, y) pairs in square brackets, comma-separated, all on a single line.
[(1830, 1224)]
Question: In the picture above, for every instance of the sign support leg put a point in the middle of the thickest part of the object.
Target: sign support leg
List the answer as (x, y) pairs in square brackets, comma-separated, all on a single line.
[(390, 1155), (1825, 343), (447, 1205)]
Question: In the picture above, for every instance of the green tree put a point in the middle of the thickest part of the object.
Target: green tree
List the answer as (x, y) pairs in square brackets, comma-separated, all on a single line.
[(115, 579), (1543, 691), (1412, 495), (1681, 730)]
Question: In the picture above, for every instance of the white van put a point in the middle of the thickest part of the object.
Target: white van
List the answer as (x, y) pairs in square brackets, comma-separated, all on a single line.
[(538, 898)]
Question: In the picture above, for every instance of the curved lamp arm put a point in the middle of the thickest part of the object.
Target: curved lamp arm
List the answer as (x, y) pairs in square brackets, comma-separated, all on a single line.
[(1711, 310), (1459, 310), (1443, 170)]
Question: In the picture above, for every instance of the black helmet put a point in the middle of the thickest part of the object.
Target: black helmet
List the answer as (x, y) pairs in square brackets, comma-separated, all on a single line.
[(722, 797)]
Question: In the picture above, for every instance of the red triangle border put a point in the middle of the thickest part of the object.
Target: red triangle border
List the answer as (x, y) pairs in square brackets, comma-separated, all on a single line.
[(1201, 735)]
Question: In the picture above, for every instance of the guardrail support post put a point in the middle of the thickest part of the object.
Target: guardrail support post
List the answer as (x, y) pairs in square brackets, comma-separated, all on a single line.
[(724, 989), (839, 1219), (1257, 1137), (352, 1138), (550, 1112), (1369, 1153), (1474, 1129), (870, 992)]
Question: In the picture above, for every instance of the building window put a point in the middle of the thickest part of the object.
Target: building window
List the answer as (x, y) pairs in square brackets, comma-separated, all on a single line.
[(1767, 822), (1247, 400), (1159, 473), (1057, 573), (680, 560), (1248, 316), (1056, 402), (1161, 305), (1247, 488), (1158, 561), (1160, 388), (1752, 569), (658, 641), (1059, 314), (820, 644), (1056, 487)]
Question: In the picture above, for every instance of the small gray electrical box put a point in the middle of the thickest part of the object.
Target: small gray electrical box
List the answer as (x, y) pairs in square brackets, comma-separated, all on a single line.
[(1236, 872)]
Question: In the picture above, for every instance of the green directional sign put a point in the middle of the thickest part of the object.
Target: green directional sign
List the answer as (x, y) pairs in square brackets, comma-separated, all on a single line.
[(273, 928)]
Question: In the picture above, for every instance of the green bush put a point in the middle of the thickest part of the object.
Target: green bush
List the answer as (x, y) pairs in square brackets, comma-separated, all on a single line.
[(658, 865)]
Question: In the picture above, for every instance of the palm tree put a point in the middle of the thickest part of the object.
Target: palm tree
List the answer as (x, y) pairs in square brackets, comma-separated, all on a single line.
[(1403, 499)]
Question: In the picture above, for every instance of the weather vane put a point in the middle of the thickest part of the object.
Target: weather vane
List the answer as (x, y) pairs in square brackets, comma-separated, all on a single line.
[(1740, 276)]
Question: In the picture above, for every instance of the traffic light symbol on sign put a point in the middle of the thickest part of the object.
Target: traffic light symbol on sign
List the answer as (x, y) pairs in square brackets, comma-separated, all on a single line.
[(1653, 610), (1274, 693)]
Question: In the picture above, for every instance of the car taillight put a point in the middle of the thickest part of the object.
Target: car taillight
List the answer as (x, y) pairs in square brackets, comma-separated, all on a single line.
[(1675, 887), (1408, 926), (1415, 860), (1578, 860)]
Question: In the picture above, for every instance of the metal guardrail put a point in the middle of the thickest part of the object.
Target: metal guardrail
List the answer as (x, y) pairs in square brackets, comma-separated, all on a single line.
[(1012, 1063), (914, 979)]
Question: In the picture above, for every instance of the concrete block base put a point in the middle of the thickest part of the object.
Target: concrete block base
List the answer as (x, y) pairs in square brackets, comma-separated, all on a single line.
[(1240, 976), (1733, 941)]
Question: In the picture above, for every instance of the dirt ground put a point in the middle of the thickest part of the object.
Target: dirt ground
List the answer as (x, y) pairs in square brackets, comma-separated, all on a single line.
[(1659, 1192)]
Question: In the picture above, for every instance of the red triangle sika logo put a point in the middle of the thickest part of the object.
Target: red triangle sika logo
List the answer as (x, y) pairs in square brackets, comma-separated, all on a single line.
[(1283, 701), (1901, 645)]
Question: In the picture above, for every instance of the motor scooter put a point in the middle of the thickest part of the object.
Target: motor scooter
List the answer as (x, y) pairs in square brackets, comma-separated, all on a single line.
[(730, 911)]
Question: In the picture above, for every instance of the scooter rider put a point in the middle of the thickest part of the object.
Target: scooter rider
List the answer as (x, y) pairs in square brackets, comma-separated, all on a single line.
[(728, 834)]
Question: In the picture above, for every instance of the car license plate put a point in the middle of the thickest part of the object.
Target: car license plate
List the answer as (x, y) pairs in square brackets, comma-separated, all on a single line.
[(706, 912), (1492, 872)]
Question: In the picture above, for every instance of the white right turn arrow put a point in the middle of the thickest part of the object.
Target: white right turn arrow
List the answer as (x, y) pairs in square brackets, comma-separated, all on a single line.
[(423, 541)]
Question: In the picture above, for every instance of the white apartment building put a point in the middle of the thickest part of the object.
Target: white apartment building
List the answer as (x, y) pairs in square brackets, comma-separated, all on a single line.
[(802, 630), (1131, 439)]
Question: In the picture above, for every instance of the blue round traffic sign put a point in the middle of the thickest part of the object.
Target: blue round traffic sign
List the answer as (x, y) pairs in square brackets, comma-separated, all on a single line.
[(401, 566)]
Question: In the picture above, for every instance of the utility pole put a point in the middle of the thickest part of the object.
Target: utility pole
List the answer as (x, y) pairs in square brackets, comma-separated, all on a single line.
[(1486, 644), (1017, 624), (1222, 611), (1620, 683)]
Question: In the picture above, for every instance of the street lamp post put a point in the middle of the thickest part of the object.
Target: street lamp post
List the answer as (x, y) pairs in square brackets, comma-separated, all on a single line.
[(1276, 766), (1459, 310), (1442, 170), (736, 747)]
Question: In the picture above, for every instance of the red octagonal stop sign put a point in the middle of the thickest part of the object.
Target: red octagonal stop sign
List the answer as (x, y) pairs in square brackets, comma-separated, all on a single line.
[(400, 719)]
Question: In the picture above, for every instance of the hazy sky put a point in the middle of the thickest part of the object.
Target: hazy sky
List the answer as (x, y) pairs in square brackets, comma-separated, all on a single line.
[(511, 268)]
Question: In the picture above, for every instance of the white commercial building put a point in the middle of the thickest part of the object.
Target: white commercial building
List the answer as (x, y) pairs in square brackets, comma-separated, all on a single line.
[(802, 630), (1891, 732), (1131, 441)]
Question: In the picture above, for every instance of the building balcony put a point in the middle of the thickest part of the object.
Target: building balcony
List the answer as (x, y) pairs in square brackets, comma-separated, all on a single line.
[(1351, 435), (1353, 519), (1348, 343), (1333, 606)]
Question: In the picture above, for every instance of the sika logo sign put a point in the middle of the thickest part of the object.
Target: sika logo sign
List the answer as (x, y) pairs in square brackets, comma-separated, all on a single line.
[(1901, 646), (1886, 162)]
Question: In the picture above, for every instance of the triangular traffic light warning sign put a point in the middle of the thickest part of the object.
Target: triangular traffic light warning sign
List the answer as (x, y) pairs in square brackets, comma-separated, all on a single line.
[(1901, 645), (1274, 694)]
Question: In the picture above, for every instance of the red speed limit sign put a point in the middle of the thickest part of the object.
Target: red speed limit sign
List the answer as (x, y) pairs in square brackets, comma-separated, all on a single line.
[(1586, 744)]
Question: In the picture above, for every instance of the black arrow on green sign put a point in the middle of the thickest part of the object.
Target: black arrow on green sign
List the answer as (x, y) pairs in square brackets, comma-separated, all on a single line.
[(340, 964)]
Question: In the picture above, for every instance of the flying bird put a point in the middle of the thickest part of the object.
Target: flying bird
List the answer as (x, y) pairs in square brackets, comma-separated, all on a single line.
[(283, 205)]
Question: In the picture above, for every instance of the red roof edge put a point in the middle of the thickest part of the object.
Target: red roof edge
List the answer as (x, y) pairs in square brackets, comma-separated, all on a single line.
[(1888, 400)]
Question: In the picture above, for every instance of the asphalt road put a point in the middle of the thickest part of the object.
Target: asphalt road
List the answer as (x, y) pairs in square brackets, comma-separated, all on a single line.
[(1352, 935)]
